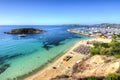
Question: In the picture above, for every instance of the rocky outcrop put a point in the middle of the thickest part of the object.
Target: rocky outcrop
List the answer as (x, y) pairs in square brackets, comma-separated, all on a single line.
[(25, 31), (98, 66)]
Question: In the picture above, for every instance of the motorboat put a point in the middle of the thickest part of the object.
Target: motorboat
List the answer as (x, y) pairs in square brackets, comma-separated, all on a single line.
[(22, 35)]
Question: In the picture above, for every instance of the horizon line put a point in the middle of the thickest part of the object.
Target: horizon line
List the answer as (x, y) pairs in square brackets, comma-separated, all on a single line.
[(51, 24)]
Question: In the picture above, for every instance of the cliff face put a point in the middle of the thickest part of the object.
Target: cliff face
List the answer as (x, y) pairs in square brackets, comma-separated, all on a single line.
[(25, 31)]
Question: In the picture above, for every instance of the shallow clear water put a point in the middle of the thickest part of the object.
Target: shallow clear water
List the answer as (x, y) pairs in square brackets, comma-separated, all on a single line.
[(22, 55)]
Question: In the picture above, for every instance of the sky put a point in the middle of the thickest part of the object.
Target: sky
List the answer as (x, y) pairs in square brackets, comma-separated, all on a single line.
[(57, 12)]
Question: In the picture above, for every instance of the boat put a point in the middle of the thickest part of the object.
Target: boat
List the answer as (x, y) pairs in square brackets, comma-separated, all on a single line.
[(22, 35)]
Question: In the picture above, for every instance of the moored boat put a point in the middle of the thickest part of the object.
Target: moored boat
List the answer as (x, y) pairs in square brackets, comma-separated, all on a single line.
[(22, 35)]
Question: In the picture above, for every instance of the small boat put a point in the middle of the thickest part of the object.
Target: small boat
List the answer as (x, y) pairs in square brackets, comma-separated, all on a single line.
[(22, 35)]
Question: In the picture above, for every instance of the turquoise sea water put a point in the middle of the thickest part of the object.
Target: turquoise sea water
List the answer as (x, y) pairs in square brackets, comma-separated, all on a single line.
[(19, 56)]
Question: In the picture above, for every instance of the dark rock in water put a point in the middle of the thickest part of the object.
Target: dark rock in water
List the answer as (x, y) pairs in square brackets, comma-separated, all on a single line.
[(1, 62), (4, 67), (56, 41), (7, 57), (15, 55), (50, 43), (25, 31), (2, 59), (47, 47)]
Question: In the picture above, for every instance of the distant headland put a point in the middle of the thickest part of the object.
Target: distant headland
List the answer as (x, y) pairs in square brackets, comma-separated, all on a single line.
[(25, 31), (96, 25)]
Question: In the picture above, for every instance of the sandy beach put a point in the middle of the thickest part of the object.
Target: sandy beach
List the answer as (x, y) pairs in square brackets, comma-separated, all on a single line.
[(62, 67)]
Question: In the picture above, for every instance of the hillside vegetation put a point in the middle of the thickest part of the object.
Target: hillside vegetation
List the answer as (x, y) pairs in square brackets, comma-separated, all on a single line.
[(111, 49)]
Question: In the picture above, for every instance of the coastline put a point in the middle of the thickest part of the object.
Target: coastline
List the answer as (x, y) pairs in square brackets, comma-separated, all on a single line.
[(22, 77), (47, 64), (79, 33), (48, 72)]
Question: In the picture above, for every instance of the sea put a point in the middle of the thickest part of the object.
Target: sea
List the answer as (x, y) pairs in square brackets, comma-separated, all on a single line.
[(22, 56)]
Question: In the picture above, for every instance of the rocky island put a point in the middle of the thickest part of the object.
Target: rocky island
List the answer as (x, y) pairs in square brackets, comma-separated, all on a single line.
[(25, 31)]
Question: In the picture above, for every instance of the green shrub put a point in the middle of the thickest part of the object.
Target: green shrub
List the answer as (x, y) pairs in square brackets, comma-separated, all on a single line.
[(117, 55), (107, 61), (97, 44), (112, 48), (102, 51), (112, 76), (118, 35), (92, 78), (105, 45), (94, 51)]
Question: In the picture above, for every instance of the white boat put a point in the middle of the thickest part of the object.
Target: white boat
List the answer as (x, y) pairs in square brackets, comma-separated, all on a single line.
[(22, 35)]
